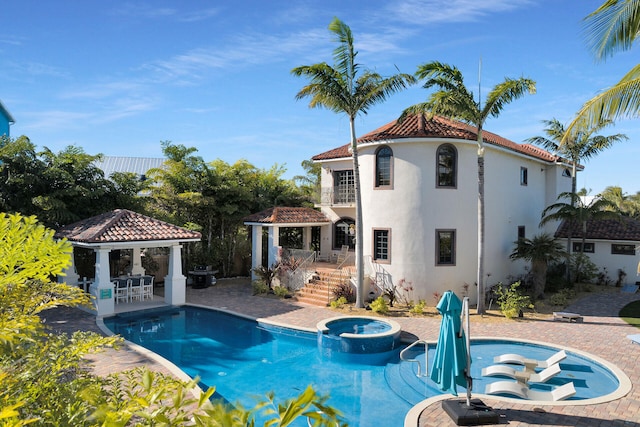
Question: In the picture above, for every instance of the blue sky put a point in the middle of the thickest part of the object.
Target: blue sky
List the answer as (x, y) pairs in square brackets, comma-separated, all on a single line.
[(118, 77)]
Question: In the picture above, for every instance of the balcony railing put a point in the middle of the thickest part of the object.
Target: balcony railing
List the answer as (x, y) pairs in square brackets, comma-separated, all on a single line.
[(344, 196)]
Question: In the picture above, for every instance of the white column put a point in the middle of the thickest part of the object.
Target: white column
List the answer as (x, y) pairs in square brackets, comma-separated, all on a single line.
[(175, 284), (136, 262), (70, 275), (102, 288), (273, 245), (256, 249), (306, 238)]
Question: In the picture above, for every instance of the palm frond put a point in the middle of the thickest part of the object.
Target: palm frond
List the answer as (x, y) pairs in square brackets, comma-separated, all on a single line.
[(504, 93), (620, 100), (612, 27)]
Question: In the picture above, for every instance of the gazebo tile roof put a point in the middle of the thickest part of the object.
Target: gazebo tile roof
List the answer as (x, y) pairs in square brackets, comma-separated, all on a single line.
[(418, 126), (604, 229), (284, 215), (123, 225)]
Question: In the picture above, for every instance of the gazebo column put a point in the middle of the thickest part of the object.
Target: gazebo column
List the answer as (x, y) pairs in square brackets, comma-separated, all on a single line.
[(306, 238), (175, 284), (256, 249), (273, 245), (102, 288), (70, 275), (136, 262)]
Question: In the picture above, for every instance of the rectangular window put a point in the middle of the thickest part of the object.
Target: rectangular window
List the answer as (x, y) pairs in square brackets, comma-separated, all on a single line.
[(618, 249), (588, 247), (524, 178), (521, 232), (445, 247), (381, 250), (344, 187)]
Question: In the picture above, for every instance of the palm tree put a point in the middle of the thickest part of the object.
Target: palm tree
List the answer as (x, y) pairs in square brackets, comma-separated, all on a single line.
[(627, 205), (578, 212), (539, 250), (612, 27), (453, 100), (344, 89), (582, 145)]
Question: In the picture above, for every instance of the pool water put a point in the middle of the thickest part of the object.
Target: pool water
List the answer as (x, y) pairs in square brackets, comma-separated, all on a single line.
[(245, 359)]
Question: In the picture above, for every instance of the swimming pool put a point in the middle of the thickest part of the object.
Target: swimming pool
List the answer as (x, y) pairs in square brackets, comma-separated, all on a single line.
[(243, 358)]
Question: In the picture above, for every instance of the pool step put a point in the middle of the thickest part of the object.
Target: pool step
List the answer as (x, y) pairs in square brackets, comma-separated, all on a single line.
[(401, 376)]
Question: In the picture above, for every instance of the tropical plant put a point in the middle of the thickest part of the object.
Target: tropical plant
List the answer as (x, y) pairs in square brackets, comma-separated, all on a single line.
[(453, 100), (611, 28), (577, 213), (511, 300), (625, 204), (344, 89), (379, 305), (540, 250)]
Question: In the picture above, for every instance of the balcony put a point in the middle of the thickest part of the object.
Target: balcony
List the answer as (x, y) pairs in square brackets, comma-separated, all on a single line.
[(338, 196)]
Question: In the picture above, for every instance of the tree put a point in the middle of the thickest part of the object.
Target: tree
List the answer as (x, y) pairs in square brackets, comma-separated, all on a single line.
[(611, 28), (453, 100), (344, 89), (581, 145), (578, 212), (44, 380), (626, 205), (539, 250)]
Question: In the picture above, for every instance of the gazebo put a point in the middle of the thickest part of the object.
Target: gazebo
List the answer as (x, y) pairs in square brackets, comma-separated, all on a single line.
[(273, 219), (124, 229)]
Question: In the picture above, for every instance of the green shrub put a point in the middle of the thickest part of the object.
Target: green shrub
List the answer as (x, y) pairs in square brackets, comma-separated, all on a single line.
[(281, 291), (379, 305), (418, 308), (339, 303), (259, 287), (562, 297), (583, 270), (511, 301)]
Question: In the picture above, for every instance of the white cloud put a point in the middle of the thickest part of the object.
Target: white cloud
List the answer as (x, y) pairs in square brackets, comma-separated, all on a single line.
[(451, 11)]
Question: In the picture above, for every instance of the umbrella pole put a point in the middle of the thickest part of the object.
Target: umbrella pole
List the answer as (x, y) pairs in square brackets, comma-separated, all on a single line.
[(467, 324)]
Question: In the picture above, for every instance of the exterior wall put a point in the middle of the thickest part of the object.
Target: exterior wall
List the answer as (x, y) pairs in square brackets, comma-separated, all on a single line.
[(609, 263), (414, 208)]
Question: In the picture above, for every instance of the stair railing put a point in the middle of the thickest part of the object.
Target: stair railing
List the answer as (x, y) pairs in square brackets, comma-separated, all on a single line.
[(340, 275), (298, 277), (426, 357)]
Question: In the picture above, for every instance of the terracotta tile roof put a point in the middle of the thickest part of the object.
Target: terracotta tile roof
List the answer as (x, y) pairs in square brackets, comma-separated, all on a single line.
[(417, 126), (284, 215), (604, 229), (122, 225)]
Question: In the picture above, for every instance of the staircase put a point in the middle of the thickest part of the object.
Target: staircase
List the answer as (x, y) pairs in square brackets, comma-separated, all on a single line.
[(319, 290)]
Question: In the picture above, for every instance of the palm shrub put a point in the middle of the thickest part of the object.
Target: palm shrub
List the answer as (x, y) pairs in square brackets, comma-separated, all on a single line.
[(540, 250)]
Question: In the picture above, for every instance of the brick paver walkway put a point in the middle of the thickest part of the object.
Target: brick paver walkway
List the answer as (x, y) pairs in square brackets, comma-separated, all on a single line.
[(602, 333)]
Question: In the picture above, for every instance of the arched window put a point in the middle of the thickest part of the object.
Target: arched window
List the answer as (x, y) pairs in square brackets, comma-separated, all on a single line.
[(384, 160), (447, 166), (344, 232)]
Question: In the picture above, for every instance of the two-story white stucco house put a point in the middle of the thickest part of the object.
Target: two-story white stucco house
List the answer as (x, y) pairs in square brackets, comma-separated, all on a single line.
[(419, 184)]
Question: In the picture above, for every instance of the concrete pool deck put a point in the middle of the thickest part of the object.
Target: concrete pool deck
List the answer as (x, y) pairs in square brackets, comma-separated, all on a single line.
[(601, 333)]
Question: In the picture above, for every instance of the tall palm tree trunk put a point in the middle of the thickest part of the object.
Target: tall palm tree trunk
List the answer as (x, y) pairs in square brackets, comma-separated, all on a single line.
[(481, 232), (359, 223)]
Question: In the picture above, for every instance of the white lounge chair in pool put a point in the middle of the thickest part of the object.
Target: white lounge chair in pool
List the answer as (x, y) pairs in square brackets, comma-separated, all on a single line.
[(523, 391), (530, 364), (523, 376)]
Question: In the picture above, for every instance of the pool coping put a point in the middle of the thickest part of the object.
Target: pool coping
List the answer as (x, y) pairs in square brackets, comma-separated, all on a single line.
[(624, 387), (412, 416)]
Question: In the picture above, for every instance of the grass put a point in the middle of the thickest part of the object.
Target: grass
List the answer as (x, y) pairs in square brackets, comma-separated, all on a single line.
[(630, 313)]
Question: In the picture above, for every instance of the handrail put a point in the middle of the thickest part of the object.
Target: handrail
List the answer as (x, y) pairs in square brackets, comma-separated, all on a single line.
[(426, 357), (340, 273)]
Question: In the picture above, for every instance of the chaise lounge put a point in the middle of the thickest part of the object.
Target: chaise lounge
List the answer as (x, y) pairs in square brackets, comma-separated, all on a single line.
[(530, 364), (523, 391), (522, 376)]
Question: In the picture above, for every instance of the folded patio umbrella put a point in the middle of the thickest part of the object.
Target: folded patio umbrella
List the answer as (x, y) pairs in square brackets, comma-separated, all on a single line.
[(450, 361)]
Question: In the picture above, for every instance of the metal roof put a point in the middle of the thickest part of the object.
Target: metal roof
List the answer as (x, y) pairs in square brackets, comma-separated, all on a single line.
[(137, 165)]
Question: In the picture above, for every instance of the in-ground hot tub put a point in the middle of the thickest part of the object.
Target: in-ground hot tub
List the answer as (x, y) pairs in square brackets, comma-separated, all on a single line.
[(372, 337)]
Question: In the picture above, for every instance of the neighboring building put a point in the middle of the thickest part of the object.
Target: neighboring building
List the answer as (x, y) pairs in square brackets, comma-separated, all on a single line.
[(611, 244), (5, 121), (138, 165)]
